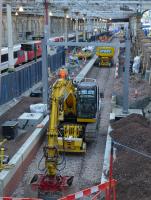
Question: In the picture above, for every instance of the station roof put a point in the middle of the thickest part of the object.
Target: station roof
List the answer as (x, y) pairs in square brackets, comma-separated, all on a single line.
[(106, 9)]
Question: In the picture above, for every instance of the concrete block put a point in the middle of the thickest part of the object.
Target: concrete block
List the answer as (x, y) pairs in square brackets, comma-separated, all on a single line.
[(30, 119), (119, 112), (33, 139), (6, 175)]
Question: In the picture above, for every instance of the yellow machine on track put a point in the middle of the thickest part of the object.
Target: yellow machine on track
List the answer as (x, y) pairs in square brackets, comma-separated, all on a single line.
[(74, 113), (84, 54), (105, 55), (73, 122)]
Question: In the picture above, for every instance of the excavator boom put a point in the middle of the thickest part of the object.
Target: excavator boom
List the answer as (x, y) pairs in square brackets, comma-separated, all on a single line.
[(62, 89)]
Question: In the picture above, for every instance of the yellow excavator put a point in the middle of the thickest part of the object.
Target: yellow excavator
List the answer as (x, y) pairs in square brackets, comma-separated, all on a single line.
[(73, 122)]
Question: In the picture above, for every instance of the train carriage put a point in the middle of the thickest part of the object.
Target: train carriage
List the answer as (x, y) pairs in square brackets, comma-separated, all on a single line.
[(27, 51)]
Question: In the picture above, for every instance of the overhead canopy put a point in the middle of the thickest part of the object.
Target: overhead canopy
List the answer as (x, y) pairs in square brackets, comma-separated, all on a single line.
[(107, 9)]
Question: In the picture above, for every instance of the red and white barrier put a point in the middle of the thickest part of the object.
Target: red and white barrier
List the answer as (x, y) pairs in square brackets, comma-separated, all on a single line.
[(117, 70), (13, 198), (89, 191), (136, 93)]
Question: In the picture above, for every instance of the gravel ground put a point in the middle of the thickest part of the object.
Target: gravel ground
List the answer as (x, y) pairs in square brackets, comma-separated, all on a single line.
[(22, 106), (86, 168)]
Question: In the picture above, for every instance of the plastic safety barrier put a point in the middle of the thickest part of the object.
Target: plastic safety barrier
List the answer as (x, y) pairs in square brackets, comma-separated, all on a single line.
[(13, 198), (117, 71), (107, 188)]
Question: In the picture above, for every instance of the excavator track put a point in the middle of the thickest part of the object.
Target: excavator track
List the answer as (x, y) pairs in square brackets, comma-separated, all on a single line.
[(91, 130)]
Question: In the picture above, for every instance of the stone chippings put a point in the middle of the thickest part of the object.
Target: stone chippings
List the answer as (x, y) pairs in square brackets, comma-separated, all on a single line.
[(86, 168)]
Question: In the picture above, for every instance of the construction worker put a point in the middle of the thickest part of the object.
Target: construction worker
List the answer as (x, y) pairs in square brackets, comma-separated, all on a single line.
[(63, 73)]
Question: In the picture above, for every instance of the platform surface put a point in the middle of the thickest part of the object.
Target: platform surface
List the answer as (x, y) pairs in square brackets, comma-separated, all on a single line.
[(118, 112)]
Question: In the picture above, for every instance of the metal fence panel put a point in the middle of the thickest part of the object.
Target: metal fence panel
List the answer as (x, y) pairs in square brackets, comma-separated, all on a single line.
[(56, 61), (16, 83)]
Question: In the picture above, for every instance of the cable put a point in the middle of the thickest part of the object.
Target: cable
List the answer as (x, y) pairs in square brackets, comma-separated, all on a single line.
[(40, 163), (131, 149), (25, 124)]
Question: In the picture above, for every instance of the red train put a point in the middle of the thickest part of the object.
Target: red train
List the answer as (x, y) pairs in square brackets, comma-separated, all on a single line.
[(26, 52), (29, 51), (23, 53)]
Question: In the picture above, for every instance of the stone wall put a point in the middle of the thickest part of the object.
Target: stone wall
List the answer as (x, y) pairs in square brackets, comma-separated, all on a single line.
[(24, 27)]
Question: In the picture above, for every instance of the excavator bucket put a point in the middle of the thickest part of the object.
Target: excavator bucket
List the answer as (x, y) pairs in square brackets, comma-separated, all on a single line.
[(48, 183)]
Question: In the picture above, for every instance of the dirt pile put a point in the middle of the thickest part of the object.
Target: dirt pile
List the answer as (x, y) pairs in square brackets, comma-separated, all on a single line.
[(131, 167), (133, 118)]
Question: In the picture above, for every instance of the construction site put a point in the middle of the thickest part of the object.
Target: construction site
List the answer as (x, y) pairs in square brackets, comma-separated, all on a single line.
[(75, 100)]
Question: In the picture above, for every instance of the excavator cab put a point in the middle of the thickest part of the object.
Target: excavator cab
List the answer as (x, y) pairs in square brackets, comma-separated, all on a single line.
[(87, 101)]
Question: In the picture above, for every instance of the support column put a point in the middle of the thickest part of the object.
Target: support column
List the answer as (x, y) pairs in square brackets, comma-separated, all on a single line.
[(72, 26), (10, 38), (88, 27), (62, 26), (66, 30), (126, 74), (0, 53), (49, 26), (94, 26), (45, 57), (91, 26), (0, 38), (105, 25), (77, 36), (76, 26), (101, 25), (79, 25), (138, 33), (84, 28), (66, 25), (29, 24), (69, 25), (97, 23)]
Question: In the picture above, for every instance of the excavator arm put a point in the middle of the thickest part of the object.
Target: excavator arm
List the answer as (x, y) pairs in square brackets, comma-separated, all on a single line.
[(62, 95), (71, 112), (63, 100)]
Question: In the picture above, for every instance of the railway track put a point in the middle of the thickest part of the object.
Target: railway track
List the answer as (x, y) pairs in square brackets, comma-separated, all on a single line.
[(86, 168)]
